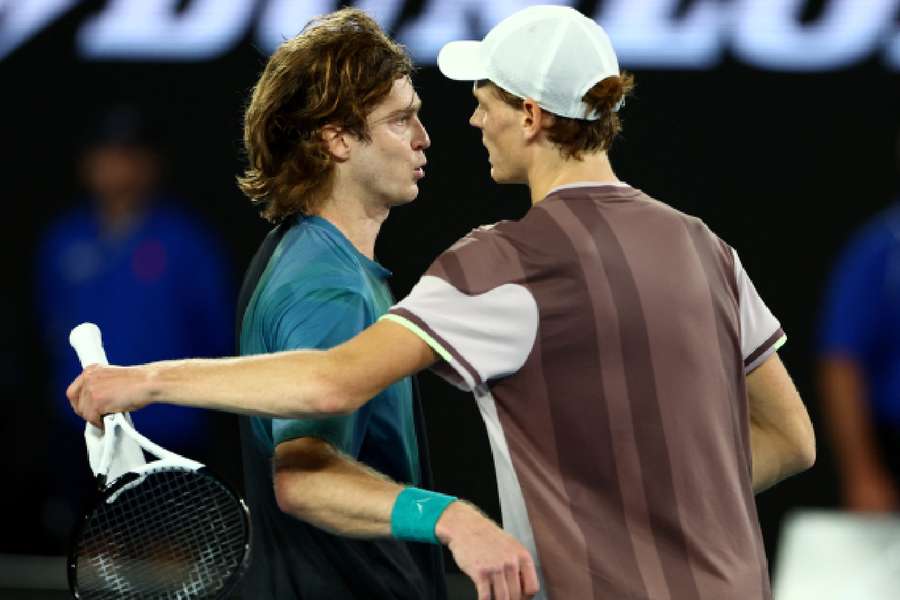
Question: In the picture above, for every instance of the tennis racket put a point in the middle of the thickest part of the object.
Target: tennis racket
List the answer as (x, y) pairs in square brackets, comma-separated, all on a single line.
[(165, 529)]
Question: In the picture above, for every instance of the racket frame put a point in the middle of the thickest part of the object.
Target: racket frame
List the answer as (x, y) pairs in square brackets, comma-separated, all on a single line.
[(86, 340), (132, 478)]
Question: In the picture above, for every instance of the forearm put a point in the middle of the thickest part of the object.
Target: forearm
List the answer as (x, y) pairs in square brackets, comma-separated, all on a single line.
[(782, 440), (318, 484), (294, 384), (337, 494), (771, 459), (349, 499)]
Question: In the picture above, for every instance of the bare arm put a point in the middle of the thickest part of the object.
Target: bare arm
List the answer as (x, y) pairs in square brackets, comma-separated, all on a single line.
[(316, 483), (299, 383), (781, 435), (866, 484), (312, 482)]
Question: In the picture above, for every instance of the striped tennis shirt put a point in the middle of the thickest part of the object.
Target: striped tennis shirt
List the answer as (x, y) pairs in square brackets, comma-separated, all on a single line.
[(606, 337)]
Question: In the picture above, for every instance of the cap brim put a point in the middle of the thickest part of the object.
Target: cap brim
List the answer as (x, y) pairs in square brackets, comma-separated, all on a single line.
[(462, 61)]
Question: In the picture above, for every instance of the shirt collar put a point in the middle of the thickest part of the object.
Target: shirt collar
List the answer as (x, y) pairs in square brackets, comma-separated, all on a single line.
[(582, 184)]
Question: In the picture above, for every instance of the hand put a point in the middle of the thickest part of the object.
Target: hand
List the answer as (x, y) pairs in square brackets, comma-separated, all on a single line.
[(101, 391), (871, 490), (500, 567)]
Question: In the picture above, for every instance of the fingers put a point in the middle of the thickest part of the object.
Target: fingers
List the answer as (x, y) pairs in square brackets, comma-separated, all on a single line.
[(498, 582), (73, 392), (483, 587), (499, 566), (528, 574), (513, 583), (80, 398), (95, 419)]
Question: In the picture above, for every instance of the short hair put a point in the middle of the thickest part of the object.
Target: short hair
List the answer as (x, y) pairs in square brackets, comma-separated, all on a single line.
[(335, 71), (577, 136)]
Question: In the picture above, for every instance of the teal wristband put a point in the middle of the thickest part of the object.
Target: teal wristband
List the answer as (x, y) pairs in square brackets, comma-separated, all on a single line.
[(415, 514)]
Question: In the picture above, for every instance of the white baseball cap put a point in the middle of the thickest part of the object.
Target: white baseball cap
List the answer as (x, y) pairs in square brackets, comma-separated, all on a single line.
[(553, 54)]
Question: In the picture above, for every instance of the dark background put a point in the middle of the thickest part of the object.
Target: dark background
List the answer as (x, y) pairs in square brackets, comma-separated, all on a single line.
[(781, 165)]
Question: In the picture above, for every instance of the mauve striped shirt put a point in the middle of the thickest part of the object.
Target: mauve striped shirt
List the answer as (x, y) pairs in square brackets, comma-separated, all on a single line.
[(606, 337)]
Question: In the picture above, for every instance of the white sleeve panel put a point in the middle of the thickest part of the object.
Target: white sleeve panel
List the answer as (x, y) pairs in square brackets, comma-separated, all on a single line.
[(482, 337), (761, 333)]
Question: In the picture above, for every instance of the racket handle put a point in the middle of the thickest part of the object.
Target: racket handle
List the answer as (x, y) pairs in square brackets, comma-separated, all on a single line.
[(88, 344), (109, 453)]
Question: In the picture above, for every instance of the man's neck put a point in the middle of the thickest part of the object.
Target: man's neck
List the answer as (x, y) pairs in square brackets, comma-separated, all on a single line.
[(550, 170), (359, 221)]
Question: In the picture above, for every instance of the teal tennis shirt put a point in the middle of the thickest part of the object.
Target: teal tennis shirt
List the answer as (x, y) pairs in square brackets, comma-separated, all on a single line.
[(316, 292)]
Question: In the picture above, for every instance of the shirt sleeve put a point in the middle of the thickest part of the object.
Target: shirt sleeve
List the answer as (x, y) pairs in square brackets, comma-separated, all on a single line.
[(761, 333), (317, 319), (474, 310), (852, 305)]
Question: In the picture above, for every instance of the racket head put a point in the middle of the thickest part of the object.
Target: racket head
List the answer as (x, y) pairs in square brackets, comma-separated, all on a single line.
[(165, 532)]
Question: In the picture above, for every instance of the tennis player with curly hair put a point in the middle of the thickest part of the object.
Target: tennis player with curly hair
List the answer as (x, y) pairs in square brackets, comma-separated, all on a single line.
[(340, 505)]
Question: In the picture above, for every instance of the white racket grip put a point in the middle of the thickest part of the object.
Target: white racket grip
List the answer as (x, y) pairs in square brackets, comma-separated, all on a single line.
[(88, 344), (109, 453)]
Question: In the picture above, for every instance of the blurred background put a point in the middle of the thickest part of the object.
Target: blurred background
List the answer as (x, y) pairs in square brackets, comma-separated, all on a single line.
[(775, 121)]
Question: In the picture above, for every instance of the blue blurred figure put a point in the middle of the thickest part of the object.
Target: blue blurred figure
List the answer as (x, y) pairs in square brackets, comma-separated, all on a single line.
[(859, 364), (130, 259)]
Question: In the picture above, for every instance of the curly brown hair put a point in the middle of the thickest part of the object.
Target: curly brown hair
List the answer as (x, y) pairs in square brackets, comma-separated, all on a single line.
[(577, 136), (335, 71)]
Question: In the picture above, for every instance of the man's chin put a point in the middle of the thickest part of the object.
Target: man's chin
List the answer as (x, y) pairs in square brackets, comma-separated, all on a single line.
[(499, 176), (406, 198)]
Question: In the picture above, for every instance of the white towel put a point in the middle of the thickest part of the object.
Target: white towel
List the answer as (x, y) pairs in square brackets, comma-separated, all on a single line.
[(124, 454)]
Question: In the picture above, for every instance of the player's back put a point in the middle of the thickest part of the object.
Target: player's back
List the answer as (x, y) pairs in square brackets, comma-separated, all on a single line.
[(606, 338), (640, 365)]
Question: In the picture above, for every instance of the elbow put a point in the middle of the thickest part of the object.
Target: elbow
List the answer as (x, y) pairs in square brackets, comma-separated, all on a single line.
[(808, 447), (288, 497), (803, 452), (284, 497), (333, 399), (807, 454), (329, 394), (320, 393)]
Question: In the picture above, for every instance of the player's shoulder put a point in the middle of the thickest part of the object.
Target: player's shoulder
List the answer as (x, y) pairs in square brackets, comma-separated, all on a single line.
[(311, 274), (694, 225), (480, 238), (485, 245), (303, 266), (702, 234), (306, 243), (667, 211), (479, 258)]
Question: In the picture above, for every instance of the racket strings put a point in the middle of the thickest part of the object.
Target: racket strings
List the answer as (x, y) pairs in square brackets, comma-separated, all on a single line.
[(176, 534)]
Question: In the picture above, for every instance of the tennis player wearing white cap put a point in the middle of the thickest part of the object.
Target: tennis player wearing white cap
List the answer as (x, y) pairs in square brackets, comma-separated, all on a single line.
[(622, 360)]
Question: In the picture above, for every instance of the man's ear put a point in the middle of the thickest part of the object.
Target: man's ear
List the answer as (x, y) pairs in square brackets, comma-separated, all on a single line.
[(534, 119), (336, 141)]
